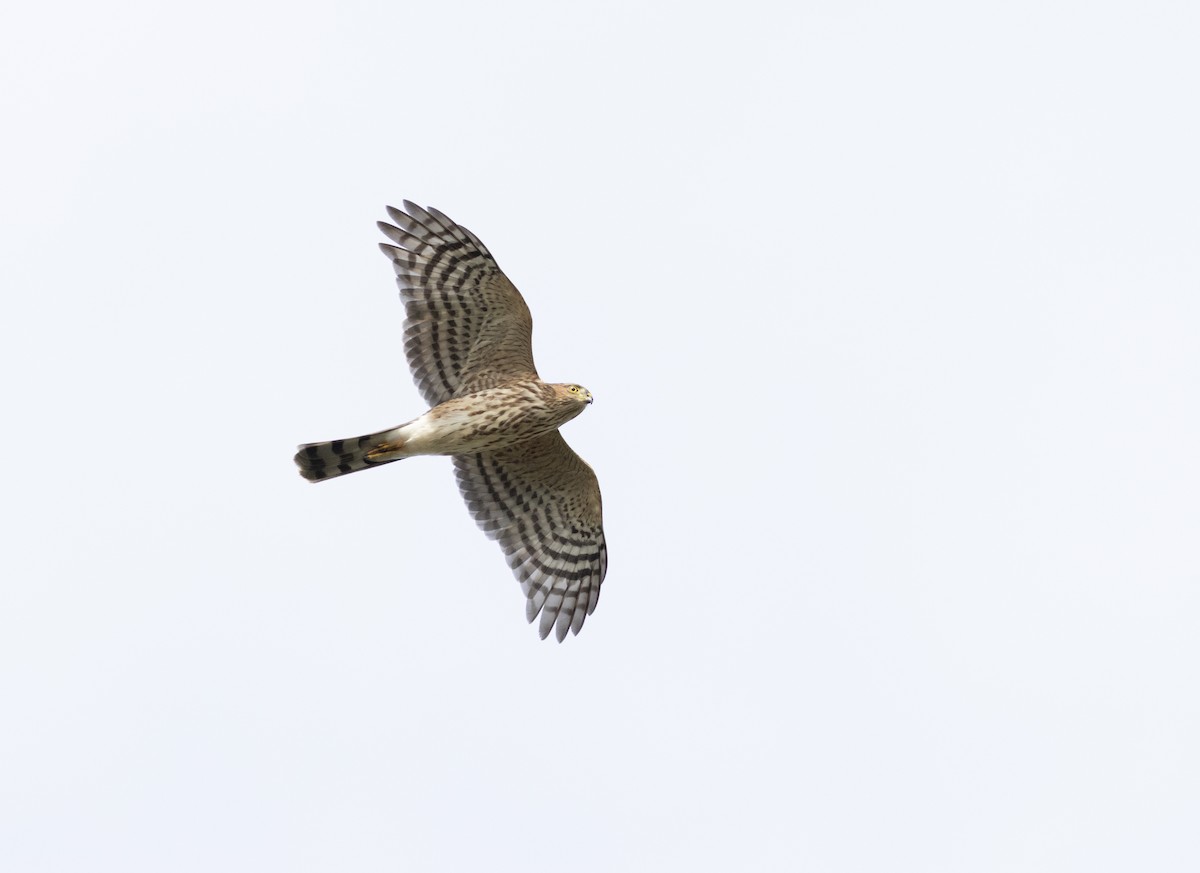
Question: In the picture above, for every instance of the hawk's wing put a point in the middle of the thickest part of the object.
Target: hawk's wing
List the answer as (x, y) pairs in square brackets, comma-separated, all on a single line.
[(467, 327), (541, 501)]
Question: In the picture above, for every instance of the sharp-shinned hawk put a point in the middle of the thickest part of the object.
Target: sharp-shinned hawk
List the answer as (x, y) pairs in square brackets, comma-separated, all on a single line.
[(467, 336)]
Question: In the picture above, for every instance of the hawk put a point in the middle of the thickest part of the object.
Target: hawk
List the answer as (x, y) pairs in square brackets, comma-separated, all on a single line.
[(468, 339)]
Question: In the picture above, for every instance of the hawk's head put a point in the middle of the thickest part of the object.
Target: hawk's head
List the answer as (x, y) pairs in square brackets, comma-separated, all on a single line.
[(573, 394)]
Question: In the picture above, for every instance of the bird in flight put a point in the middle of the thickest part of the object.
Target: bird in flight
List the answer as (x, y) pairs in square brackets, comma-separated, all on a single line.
[(468, 340)]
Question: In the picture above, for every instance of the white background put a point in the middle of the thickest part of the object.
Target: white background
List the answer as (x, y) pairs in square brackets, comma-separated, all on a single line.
[(891, 314)]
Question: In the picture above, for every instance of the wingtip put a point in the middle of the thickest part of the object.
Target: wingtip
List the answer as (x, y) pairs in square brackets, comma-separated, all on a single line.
[(416, 213), (396, 215)]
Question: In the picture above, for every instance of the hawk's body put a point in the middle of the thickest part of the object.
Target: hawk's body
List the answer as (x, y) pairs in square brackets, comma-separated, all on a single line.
[(468, 341), (494, 418)]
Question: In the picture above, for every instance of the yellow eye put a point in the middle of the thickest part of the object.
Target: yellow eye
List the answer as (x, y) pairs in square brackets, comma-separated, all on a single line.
[(574, 389)]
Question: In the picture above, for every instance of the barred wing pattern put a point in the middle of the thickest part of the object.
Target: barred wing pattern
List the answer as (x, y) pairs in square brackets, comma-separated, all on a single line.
[(467, 327), (541, 501)]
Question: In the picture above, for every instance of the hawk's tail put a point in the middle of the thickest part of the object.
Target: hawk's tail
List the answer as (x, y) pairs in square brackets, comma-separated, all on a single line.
[(320, 461)]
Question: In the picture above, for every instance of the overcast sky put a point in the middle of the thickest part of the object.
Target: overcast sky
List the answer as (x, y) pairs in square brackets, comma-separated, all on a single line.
[(892, 317)]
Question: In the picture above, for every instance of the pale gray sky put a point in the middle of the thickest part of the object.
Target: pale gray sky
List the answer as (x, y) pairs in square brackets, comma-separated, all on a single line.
[(891, 312)]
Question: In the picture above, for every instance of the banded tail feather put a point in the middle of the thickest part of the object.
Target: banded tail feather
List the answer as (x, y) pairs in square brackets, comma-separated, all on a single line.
[(321, 461)]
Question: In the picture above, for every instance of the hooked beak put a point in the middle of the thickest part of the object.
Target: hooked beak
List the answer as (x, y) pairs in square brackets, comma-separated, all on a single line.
[(589, 400)]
